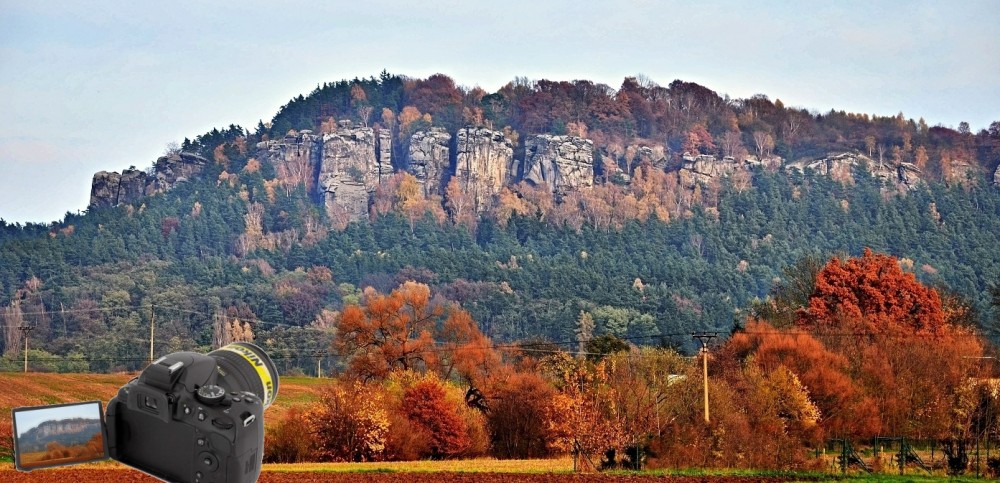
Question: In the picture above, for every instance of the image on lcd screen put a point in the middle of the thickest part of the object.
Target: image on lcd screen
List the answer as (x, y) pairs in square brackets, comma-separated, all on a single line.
[(58, 435)]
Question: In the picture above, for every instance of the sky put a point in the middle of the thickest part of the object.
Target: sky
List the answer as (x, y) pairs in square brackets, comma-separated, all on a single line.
[(107, 84)]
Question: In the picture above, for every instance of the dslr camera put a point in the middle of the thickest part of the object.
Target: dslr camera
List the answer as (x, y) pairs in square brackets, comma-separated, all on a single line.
[(188, 417)]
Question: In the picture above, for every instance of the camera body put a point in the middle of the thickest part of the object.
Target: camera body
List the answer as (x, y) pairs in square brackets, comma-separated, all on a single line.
[(189, 418)]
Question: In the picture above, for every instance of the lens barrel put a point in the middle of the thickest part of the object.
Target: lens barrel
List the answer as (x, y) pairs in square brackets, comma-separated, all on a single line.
[(246, 367)]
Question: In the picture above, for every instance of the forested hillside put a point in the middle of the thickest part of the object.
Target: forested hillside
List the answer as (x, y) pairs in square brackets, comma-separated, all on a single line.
[(243, 248)]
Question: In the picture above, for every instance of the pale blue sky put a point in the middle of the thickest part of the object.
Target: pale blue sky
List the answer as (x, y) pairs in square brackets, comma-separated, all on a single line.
[(102, 85)]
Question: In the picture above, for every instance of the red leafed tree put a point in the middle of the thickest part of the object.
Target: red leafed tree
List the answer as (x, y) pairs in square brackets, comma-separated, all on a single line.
[(844, 408), (426, 406), (401, 331), (873, 294)]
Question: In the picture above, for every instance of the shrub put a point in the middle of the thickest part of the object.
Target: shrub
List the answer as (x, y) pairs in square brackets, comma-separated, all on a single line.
[(350, 423), (425, 404), (290, 439), (517, 421)]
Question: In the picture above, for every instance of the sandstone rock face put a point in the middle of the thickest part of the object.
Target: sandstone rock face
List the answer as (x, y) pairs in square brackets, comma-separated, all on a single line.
[(483, 163), (428, 159), (705, 167), (295, 158), (654, 156), (104, 189), (135, 184), (962, 172), (112, 189), (562, 163), (353, 165), (173, 169), (840, 167)]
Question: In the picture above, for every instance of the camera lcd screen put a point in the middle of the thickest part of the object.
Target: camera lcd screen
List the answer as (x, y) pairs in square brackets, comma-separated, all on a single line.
[(58, 435)]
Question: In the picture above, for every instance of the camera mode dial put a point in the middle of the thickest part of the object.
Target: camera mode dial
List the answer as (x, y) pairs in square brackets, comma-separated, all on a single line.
[(211, 394)]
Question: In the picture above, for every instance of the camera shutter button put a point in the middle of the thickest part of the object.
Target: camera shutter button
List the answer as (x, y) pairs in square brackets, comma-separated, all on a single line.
[(210, 394)]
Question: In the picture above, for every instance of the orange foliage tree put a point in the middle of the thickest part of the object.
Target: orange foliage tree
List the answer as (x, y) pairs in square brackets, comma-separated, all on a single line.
[(893, 331), (426, 406), (873, 294), (517, 414), (408, 330)]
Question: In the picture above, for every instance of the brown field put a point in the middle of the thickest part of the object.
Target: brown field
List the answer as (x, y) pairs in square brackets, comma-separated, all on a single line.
[(109, 472)]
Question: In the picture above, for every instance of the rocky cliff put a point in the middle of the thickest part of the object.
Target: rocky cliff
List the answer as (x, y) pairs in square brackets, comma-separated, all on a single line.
[(484, 163), (841, 166), (428, 159), (353, 164), (996, 177), (963, 172), (704, 168), (296, 157), (104, 189), (112, 189), (561, 163)]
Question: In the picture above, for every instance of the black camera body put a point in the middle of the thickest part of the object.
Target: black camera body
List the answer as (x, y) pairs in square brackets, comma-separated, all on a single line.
[(195, 418)]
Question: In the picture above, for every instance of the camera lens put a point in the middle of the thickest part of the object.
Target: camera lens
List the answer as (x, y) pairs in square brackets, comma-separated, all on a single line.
[(245, 367)]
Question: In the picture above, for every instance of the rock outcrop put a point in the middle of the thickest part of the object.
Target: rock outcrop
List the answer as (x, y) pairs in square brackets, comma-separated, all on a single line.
[(703, 168), (652, 155), (104, 189), (295, 158), (112, 189), (135, 184), (562, 163), (996, 177), (353, 164), (962, 172), (428, 159), (841, 167), (483, 163), (174, 168)]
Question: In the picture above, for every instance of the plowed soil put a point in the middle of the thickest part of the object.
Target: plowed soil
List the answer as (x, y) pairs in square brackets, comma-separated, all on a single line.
[(77, 475)]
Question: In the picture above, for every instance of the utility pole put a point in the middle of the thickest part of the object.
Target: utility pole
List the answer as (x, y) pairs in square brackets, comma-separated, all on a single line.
[(25, 329), (152, 324), (705, 338), (319, 362)]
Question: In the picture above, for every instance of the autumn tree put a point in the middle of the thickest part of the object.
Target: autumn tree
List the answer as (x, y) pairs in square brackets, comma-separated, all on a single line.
[(698, 140), (873, 294), (232, 325), (518, 401), (764, 142), (402, 331), (426, 406), (582, 418), (461, 206), (350, 423)]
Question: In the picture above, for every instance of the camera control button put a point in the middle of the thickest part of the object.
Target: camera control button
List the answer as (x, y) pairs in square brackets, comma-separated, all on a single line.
[(201, 441), (201, 416), (208, 461), (223, 422)]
